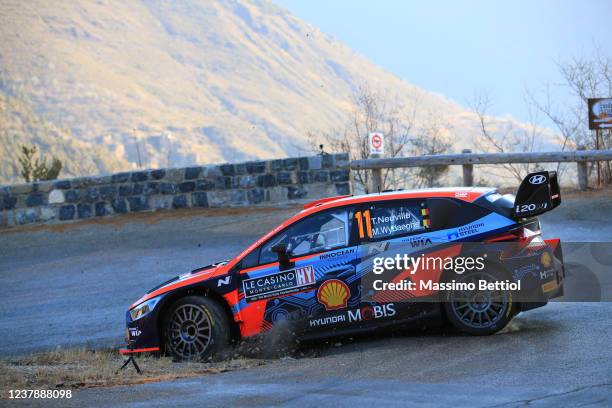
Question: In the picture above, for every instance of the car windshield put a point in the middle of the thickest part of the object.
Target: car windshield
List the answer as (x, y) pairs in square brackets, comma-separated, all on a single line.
[(316, 233)]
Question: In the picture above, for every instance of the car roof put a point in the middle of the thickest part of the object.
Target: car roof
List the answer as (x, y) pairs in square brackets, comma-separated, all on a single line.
[(468, 194)]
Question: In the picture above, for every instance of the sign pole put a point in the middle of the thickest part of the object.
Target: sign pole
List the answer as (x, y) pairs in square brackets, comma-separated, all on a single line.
[(600, 117), (376, 141), (597, 136)]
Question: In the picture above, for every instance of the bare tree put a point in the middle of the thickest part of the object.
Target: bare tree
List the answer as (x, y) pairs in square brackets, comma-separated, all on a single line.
[(372, 111), (431, 138), (583, 78), (506, 138)]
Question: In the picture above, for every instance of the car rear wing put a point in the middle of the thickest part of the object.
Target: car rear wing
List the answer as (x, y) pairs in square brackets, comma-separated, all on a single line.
[(537, 194)]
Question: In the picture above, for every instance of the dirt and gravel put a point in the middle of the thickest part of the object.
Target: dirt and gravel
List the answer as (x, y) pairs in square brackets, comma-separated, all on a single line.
[(69, 286), (82, 368)]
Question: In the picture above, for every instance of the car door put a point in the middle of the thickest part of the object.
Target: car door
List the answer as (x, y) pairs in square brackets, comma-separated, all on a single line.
[(318, 279), (387, 229)]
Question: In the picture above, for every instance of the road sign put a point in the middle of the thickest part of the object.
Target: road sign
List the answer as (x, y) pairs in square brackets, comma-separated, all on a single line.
[(600, 113), (377, 143)]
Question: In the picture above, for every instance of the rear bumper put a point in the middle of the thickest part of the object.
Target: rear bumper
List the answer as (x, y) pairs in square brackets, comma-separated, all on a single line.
[(552, 277), (541, 273)]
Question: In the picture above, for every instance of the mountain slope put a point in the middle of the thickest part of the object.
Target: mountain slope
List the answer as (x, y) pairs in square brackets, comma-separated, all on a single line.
[(20, 125), (161, 83)]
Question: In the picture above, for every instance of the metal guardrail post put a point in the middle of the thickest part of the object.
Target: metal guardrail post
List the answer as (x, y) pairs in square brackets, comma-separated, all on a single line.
[(468, 171)]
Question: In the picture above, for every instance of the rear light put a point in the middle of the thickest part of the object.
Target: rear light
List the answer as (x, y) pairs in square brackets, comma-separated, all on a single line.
[(524, 233), (521, 239), (517, 234), (536, 243)]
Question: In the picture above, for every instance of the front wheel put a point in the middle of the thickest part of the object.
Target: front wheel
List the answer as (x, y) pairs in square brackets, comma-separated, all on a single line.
[(196, 328), (479, 312)]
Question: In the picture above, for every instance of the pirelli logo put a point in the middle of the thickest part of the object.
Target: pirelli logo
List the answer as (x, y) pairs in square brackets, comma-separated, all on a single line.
[(279, 284)]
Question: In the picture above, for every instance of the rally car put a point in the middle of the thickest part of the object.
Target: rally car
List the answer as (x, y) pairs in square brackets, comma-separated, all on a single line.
[(316, 272)]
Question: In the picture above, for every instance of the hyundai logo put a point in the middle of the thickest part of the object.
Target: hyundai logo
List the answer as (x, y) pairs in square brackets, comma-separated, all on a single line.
[(537, 179)]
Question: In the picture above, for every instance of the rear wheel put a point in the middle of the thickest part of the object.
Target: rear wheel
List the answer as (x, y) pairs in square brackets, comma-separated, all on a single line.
[(479, 312), (196, 328)]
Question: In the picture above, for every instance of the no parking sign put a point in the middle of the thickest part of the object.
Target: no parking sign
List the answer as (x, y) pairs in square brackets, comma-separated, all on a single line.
[(377, 143)]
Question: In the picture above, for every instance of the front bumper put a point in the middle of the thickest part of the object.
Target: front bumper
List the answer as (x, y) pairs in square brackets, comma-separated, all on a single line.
[(135, 351), (142, 335)]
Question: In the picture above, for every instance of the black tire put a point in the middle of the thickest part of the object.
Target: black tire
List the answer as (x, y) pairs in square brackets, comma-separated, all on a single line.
[(196, 328), (479, 313)]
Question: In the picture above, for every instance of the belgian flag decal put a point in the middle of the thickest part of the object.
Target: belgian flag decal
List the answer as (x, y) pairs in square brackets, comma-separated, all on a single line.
[(425, 217)]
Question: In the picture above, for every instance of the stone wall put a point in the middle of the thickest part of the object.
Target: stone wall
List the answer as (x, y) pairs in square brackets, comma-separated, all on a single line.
[(268, 182)]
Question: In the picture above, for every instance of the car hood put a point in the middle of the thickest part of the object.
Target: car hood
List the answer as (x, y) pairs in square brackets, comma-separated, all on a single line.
[(197, 275)]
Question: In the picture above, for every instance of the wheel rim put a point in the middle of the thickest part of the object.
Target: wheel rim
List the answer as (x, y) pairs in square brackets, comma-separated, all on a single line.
[(189, 331), (479, 308)]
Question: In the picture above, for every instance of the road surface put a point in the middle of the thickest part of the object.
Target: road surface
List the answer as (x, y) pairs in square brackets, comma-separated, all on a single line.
[(70, 286)]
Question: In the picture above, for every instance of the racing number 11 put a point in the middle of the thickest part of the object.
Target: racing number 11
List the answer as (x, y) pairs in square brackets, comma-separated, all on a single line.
[(364, 216)]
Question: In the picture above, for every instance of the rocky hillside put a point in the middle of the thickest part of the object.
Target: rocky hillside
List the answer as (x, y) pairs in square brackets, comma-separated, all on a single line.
[(20, 125), (160, 83)]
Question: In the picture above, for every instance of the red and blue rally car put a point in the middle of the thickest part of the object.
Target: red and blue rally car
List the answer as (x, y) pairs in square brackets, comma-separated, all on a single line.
[(316, 271)]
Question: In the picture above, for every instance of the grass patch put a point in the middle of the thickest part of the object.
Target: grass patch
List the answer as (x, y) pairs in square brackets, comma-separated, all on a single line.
[(83, 368)]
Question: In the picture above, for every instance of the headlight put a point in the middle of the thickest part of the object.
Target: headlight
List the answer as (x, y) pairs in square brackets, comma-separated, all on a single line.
[(144, 308)]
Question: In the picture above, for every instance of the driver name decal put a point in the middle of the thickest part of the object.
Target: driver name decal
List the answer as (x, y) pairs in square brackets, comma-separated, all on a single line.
[(278, 284), (384, 221)]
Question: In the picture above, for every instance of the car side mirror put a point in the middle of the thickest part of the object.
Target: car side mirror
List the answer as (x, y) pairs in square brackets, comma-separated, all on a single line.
[(280, 248), (283, 253)]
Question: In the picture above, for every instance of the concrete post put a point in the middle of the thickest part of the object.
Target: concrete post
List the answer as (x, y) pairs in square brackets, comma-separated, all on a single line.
[(583, 175), (583, 172), (376, 183), (468, 171)]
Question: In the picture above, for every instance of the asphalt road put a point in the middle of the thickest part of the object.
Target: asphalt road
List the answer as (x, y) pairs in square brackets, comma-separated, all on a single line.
[(559, 356), (71, 286)]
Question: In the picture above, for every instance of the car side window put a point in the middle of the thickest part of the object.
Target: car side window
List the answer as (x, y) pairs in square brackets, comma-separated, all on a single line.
[(319, 232), (388, 219), (450, 213), (250, 260)]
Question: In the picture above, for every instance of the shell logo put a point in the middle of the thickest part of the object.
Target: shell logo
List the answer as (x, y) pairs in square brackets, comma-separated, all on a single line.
[(333, 294), (545, 259)]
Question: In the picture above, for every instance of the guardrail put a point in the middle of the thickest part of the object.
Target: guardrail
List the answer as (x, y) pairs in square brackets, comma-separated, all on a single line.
[(467, 159)]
